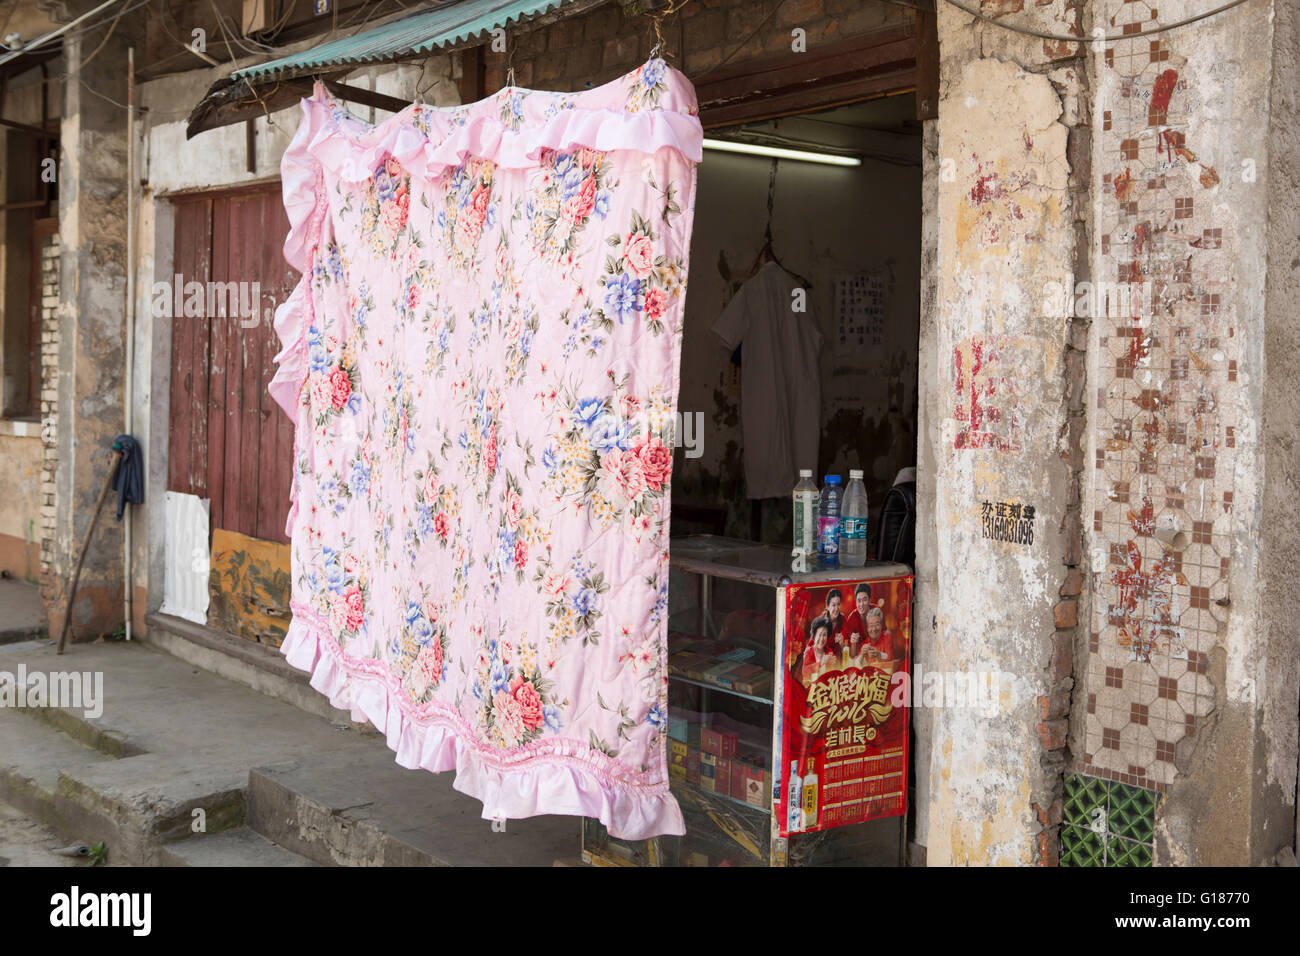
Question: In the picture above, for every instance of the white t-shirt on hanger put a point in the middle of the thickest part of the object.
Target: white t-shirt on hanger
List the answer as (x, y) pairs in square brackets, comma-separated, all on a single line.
[(780, 402)]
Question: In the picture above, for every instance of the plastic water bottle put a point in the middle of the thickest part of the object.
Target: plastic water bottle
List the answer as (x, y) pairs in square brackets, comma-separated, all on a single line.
[(828, 523), (805, 522), (853, 523)]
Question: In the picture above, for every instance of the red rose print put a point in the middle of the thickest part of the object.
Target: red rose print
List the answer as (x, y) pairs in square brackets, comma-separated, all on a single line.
[(340, 389), (479, 201), (639, 255), (440, 525), (490, 452), (583, 202), (529, 701), (356, 607), (521, 553), (656, 300), (656, 462)]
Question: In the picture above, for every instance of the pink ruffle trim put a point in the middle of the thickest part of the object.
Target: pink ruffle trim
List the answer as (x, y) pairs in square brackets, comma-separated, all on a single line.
[(322, 145), (567, 780)]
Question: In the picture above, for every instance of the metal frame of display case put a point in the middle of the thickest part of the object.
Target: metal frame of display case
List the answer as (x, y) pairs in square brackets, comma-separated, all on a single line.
[(711, 558)]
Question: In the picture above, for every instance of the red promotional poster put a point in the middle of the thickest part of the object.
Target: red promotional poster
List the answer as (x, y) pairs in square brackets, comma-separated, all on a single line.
[(847, 647)]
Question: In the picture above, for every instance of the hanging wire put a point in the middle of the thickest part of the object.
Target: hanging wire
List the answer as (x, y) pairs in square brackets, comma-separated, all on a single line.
[(419, 93), (1068, 38), (660, 47)]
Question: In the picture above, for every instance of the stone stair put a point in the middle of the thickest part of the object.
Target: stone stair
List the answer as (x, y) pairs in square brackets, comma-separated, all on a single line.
[(187, 768)]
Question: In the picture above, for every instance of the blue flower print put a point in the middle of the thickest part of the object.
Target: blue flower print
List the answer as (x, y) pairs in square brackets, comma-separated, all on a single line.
[(589, 409), (623, 296), (585, 601)]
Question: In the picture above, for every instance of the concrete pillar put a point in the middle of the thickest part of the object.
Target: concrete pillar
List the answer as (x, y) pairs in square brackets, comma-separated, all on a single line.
[(1000, 422), (91, 368)]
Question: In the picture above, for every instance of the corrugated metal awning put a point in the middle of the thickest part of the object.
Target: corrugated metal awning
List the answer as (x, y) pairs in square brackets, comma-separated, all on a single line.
[(450, 24), (277, 84)]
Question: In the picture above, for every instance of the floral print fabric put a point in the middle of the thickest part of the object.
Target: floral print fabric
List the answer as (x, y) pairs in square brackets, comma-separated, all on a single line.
[(482, 361)]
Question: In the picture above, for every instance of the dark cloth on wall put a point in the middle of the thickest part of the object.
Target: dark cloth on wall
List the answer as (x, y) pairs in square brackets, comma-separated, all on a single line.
[(128, 482)]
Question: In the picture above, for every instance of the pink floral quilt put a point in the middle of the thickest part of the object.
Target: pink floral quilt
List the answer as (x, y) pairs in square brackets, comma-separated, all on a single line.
[(482, 362)]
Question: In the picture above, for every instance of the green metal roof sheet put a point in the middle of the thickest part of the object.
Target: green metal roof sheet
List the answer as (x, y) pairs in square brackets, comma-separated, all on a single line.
[(444, 25)]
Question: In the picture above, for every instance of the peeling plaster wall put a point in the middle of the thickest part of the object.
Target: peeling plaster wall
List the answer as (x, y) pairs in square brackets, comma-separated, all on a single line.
[(925, 629), (92, 355), (1279, 683), (1189, 686), (994, 426)]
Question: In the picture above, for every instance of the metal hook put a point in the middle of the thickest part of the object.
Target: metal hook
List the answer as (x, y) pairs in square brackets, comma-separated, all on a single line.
[(419, 93)]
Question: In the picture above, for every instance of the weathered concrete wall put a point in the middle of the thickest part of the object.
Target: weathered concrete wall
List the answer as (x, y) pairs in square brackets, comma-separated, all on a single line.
[(91, 367), (998, 429), (1189, 684), (930, 412), (1279, 686)]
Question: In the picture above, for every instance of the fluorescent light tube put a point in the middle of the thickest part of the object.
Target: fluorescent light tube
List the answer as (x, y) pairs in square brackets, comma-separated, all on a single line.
[(776, 152)]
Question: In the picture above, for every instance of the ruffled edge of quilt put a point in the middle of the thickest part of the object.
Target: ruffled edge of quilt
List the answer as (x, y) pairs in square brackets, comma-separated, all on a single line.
[(300, 185), (321, 143), (355, 159), (549, 786)]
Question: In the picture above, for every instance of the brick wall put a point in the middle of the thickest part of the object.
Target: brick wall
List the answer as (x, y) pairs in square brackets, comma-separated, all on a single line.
[(601, 45), (50, 251)]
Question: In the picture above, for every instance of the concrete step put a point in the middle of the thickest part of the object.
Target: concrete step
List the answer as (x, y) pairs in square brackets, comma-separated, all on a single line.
[(238, 847), (33, 756), (254, 665), (359, 808), (175, 744)]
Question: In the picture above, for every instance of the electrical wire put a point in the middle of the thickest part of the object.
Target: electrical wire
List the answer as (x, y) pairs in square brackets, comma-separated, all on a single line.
[(104, 42), (1069, 38)]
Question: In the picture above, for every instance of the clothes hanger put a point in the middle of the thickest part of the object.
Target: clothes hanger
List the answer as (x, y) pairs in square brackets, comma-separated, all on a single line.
[(767, 253)]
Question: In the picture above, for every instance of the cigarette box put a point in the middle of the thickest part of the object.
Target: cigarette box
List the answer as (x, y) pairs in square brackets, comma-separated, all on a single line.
[(718, 742), (677, 759), (722, 776), (709, 771), (755, 789), (738, 771)]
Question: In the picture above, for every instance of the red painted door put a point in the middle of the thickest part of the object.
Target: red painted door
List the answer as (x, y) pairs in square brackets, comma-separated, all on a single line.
[(229, 441)]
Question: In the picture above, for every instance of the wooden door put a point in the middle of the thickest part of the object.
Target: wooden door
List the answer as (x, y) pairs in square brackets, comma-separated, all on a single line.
[(229, 441)]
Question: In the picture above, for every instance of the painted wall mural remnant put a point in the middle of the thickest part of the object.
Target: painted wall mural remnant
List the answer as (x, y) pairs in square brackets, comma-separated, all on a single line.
[(986, 399)]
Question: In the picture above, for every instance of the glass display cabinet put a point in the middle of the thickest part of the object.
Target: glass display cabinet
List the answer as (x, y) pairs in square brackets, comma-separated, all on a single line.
[(787, 724)]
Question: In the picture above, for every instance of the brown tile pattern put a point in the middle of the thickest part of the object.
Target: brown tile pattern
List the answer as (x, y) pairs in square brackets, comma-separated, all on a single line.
[(1165, 416)]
